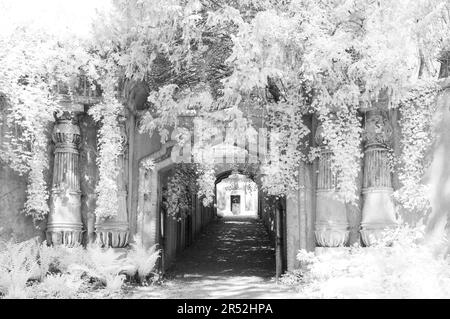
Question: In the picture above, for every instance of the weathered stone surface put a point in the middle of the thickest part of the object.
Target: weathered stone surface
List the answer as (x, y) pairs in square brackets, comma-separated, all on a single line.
[(114, 232), (13, 222), (88, 175), (438, 175), (378, 211), (64, 224), (300, 217), (331, 227)]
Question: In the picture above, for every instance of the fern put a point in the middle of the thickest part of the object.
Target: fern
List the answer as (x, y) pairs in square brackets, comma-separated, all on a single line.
[(144, 259), (102, 264), (18, 264), (114, 283), (61, 286), (59, 258)]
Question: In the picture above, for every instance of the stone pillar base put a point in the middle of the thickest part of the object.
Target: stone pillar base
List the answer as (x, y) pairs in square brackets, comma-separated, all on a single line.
[(372, 233), (112, 234), (57, 235), (332, 236)]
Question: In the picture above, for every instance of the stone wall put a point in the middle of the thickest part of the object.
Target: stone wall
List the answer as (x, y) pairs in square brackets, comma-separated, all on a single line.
[(14, 224), (438, 175), (143, 146), (300, 216), (313, 219), (88, 175)]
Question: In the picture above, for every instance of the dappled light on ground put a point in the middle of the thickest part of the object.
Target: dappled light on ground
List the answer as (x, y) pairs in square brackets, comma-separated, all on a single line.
[(233, 258)]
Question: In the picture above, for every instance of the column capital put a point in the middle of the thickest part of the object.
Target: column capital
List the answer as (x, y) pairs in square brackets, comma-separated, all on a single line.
[(66, 132), (319, 136), (377, 128)]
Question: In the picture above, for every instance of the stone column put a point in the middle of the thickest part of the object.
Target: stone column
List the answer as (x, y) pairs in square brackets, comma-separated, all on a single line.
[(114, 232), (64, 225), (378, 211), (332, 227)]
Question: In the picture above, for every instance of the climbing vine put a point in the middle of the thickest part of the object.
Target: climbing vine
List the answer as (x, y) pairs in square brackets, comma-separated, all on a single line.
[(342, 135), (287, 143), (110, 146), (417, 110), (180, 188), (206, 182), (34, 65), (211, 59)]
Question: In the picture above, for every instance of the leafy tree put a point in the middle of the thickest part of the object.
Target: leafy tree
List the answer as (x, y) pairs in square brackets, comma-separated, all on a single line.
[(214, 58)]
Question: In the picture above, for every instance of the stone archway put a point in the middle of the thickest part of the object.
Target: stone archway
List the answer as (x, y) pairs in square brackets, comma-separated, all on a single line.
[(155, 228)]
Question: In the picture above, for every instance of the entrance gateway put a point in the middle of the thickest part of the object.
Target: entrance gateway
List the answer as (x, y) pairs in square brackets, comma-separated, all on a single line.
[(173, 236)]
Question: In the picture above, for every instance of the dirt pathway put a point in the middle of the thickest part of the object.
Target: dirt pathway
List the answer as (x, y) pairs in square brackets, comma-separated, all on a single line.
[(233, 258)]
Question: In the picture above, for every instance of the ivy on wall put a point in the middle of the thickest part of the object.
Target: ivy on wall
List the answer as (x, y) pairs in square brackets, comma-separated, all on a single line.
[(110, 146), (34, 64), (417, 111), (342, 135), (290, 58), (181, 186)]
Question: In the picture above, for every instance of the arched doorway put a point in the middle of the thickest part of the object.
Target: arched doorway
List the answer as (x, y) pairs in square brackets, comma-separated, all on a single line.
[(241, 186), (237, 195)]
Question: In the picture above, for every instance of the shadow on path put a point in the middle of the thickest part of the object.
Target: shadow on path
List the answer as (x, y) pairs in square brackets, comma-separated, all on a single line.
[(232, 258)]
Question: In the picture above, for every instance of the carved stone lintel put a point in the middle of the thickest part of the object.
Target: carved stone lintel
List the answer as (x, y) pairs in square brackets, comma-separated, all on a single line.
[(64, 225)]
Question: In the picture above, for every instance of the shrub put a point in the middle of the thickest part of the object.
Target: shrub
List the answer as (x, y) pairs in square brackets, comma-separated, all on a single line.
[(60, 286), (18, 265), (59, 258), (396, 267), (30, 270), (292, 278), (100, 264)]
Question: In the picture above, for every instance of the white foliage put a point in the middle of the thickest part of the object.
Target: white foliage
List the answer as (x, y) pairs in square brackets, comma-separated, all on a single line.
[(144, 259), (397, 267)]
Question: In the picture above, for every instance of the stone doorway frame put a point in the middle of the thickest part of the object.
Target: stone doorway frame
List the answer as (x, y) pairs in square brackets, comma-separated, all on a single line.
[(148, 216)]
